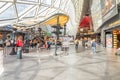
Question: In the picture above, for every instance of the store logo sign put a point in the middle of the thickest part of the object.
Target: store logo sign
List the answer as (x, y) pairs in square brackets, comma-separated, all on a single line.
[(114, 23)]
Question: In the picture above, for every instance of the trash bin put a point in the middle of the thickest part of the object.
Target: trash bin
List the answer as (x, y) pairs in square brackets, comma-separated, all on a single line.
[(19, 53)]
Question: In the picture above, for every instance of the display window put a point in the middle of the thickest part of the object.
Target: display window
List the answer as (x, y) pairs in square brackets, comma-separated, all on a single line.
[(116, 38), (109, 40)]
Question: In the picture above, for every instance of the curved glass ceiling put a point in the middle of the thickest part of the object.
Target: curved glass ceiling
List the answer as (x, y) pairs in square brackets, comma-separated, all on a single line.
[(23, 11)]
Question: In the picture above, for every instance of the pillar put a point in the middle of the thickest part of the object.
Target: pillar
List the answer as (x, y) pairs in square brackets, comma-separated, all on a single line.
[(103, 37)]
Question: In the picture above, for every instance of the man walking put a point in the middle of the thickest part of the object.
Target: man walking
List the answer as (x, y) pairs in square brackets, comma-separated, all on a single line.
[(94, 46)]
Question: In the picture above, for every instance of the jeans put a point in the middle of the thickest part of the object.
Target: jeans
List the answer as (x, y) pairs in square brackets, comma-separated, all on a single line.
[(94, 49), (76, 46), (19, 52)]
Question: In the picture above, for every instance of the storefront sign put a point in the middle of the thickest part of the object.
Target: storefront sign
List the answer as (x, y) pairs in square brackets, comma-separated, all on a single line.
[(109, 9), (107, 5), (115, 39), (114, 23)]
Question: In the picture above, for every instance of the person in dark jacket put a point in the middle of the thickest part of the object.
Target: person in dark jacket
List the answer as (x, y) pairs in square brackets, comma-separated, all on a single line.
[(94, 46)]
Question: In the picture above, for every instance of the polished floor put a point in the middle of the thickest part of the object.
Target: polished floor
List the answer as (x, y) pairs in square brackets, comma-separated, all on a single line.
[(78, 65)]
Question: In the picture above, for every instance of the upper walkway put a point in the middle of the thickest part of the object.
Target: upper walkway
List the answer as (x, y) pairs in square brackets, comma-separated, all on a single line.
[(78, 65)]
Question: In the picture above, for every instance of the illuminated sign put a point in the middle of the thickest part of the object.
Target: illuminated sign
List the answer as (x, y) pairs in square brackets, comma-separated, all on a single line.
[(114, 23)]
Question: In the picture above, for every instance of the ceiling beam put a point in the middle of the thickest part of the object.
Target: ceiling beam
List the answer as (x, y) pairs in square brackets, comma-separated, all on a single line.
[(30, 3), (27, 12), (5, 7), (37, 10), (16, 12)]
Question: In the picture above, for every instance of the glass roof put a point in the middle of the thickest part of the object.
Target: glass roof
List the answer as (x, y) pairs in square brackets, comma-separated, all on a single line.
[(9, 13), (29, 0), (18, 11), (47, 2), (2, 4), (22, 8), (42, 9)]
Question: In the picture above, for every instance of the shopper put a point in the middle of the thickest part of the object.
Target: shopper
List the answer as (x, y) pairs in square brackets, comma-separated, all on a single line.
[(80, 42), (12, 44), (94, 46), (89, 42), (76, 43), (86, 42), (19, 45), (49, 44)]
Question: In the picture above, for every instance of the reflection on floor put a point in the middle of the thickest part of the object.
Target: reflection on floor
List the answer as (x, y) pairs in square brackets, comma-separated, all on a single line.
[(80, 65)]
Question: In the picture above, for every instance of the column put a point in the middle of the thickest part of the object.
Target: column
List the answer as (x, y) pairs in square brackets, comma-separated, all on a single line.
[(103, 37)]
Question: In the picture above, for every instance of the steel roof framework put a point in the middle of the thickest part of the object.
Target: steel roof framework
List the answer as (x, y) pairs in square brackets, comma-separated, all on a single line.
[(18, 11)]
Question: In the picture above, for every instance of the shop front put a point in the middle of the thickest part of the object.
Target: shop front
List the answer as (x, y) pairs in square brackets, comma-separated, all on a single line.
[(109, 39), (112, 34), (116, 38), (112, 38)]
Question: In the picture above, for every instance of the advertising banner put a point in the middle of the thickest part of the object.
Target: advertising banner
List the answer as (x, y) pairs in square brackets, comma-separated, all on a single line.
[(109, 40), (107, 5), (102, 11), (109, 9)]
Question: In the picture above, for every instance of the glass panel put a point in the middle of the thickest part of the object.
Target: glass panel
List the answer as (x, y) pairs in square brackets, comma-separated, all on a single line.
[(57, 3), (47, 2), (61, 12), (2, 4), (51, 11), (96, 14), (29, 0), (6, 0), (43, 13), (8, 14), (31, 14), (63, 3), (3, 8), (42, 9), (67, 7), (22, 7)]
